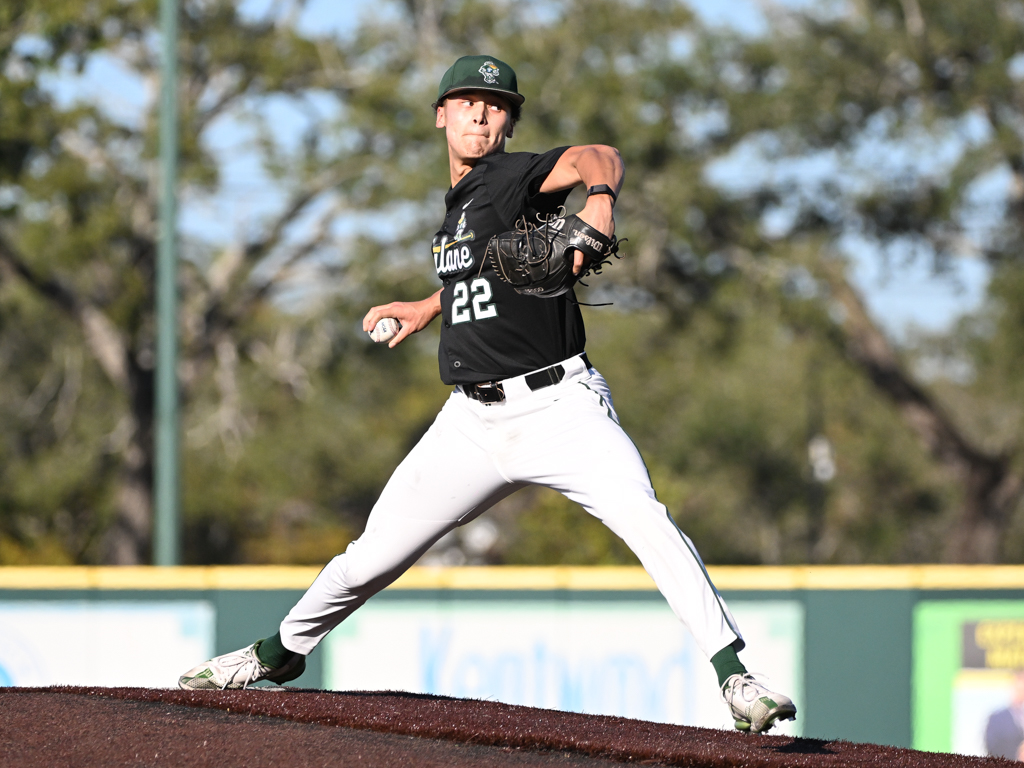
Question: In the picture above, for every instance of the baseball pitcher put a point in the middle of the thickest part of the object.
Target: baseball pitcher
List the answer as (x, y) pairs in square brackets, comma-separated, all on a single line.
[(527, 406)]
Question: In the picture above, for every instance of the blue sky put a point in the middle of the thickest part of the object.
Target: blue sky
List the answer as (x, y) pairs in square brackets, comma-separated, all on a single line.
[(903, 294)]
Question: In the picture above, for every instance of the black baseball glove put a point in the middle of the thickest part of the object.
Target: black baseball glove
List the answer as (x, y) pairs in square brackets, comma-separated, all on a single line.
[(536, 259)]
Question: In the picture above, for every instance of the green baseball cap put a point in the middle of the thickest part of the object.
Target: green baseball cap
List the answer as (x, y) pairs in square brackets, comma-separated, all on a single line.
[(480, 73)]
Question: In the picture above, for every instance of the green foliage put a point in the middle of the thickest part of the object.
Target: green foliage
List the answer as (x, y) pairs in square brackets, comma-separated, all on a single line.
[(725, 348), (724, 424), (297, 484), (551, 530), (979, 374)]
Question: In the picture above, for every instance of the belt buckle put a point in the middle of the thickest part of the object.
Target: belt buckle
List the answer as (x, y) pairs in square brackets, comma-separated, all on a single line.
[(489, 392)]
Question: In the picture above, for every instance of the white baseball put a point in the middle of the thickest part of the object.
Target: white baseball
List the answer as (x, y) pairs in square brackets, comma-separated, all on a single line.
[(385, 329)]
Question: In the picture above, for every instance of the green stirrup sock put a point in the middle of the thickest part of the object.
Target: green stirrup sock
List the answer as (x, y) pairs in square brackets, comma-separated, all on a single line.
[(727, 664), (272, 652)]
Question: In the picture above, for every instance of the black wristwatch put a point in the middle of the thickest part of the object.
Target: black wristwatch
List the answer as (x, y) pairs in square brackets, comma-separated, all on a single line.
[(602, 189)]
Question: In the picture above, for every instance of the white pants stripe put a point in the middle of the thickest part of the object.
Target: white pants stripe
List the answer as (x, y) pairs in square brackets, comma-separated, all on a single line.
[(566, 437)]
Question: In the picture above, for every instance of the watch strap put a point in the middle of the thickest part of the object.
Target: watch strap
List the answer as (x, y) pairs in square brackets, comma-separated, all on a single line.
[(602, 189)]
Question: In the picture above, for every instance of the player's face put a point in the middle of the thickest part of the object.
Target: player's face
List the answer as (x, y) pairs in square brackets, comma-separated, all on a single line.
[(476, 124)]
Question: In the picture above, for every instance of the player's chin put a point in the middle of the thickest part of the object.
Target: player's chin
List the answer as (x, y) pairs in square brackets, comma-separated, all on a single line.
[(475, 147)]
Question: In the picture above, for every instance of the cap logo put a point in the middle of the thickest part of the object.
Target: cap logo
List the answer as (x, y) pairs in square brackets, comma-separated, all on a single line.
[(490, 72)]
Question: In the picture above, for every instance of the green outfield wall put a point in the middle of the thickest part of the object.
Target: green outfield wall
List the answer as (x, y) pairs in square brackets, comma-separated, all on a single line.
[(907, 656)]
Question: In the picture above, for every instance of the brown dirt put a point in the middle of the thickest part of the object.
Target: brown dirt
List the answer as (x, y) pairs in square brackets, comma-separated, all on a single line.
[(136, 726)]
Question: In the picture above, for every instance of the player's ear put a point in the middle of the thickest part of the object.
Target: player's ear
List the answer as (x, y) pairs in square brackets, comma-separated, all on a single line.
[(439, 120), (508, 133)]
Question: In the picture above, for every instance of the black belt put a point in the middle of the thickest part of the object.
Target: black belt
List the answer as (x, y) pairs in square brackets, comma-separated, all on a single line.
[(494, 392)]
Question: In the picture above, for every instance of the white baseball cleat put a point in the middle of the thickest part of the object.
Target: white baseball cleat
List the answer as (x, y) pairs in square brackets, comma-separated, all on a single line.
[(754, 707), (239, 669)]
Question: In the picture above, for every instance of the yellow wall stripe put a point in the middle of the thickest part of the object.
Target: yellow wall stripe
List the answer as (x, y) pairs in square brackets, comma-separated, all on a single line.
[(925, 577)]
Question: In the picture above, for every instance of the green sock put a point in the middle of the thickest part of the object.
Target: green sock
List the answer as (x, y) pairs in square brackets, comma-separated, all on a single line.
[(272, 652), (727, 664)]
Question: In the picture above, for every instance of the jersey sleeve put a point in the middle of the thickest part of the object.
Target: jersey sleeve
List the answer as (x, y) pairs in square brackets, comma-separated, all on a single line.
[(514, 178)]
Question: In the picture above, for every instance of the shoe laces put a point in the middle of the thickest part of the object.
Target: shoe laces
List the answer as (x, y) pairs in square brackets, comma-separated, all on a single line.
[(253, 667), (750, 687)]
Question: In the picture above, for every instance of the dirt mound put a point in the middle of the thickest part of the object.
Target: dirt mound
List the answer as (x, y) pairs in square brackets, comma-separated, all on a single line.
[(137, 726)]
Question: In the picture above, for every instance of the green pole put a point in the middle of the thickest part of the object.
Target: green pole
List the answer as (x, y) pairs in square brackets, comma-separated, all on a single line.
[(166, 544)]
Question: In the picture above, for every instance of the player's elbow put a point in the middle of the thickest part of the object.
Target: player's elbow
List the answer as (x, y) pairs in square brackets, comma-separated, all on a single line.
[(612, 153), (605, 152), (606, 157)]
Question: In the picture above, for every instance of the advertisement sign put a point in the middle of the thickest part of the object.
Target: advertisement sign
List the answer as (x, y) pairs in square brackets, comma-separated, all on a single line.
[(102, 643), (632, 659), (969, 677)]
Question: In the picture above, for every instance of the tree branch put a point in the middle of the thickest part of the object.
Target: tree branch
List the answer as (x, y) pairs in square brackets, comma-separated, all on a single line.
[(256, 250), (102, 337), (991, 485), (218, 317), (259, 293)]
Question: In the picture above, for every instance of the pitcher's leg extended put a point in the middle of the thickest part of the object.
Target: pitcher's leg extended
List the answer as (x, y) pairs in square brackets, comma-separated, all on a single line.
[(627, 505), (588, 457), (446, 480), (420, 504)]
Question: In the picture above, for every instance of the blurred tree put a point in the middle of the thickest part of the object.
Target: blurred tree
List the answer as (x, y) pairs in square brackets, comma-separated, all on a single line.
[(717, 292), (734, 342), (894, 125), (77, 246)]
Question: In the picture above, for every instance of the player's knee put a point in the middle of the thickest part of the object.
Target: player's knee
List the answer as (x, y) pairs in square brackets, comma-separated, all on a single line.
[(632, 502), (357, 575), (352, 578)]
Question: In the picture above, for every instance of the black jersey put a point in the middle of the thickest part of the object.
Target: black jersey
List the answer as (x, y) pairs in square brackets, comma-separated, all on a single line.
[(489, 330)]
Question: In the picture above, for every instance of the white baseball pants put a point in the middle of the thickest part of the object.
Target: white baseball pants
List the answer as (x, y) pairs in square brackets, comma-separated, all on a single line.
[(565, 436)]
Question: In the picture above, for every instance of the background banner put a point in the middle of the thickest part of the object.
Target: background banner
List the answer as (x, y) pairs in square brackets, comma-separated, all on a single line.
[(76, 642), (968, 681), (632, 659)]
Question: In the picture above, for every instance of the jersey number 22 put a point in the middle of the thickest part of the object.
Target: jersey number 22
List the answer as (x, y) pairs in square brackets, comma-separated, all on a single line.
[(472, 301)]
